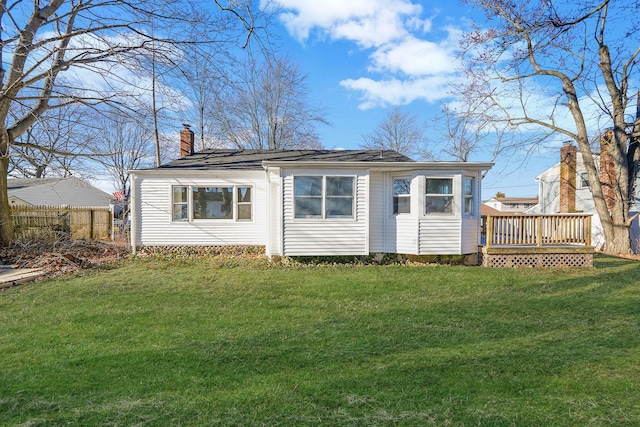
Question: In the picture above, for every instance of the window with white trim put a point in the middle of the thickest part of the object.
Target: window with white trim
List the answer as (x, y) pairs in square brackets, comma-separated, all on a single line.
[(180, 203), (323, 197), (211, 203), (469, 185), (584, 180), (439, 195), (401, 195), (243, 204)]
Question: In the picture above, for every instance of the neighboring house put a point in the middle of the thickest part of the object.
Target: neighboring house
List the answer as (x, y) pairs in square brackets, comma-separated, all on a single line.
[(55, 192), (564, 188), (508, 205), (308, 202)]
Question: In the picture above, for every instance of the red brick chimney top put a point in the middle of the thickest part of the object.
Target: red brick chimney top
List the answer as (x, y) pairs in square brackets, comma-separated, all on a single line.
[(186, 141)]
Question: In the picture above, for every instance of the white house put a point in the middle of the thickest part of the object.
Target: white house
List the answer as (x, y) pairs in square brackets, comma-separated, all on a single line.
[(573, 194), (508, 205), (308, 202)]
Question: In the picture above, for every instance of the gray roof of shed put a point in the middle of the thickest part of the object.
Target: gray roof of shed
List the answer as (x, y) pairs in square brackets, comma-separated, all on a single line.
[(252, 159), (69, 191)]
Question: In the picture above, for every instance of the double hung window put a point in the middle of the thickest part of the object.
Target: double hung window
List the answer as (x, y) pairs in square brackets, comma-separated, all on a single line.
[(323, 196), (439, 195), (195, 203), (401, 195), (584, 180), (468, 195), (180, 203)]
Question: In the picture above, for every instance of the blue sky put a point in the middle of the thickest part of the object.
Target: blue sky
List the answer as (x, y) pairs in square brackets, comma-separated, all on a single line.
[(364, 57)]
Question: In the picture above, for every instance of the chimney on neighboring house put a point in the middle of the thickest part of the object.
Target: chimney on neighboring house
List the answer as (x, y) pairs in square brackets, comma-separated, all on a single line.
[(607, 169), (186, 141), (568, 154)]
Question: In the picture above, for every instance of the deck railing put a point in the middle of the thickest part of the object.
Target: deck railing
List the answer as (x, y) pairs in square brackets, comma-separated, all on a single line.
[(538, 230)]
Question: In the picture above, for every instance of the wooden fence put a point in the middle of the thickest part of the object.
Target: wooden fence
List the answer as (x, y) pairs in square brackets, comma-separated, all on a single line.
[(538, 230), (56, 222)]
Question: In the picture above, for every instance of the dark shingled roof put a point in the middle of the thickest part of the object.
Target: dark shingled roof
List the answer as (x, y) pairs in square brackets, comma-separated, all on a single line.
[(252, 159)]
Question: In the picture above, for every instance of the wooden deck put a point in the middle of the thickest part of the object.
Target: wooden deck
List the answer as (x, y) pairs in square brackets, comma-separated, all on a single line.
[(559, 240)]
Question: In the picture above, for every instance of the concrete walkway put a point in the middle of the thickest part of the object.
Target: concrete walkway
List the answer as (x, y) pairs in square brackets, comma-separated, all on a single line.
[(11, 276)]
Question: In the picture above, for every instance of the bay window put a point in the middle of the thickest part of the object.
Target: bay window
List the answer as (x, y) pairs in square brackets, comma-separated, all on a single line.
[(401, 195), (469, 184), (439, 195)]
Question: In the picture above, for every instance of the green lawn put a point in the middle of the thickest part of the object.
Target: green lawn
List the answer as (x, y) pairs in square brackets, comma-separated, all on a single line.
[(162, 342)]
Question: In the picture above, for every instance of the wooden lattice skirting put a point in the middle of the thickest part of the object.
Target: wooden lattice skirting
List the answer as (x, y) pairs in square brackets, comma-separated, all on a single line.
[(534, 256)]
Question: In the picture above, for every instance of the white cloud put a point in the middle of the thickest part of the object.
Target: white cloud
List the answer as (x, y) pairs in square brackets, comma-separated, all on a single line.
[(404, 65), (365, 22), (415, 57), (380, 93)]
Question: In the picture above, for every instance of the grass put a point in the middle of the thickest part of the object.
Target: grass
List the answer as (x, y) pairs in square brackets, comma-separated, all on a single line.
[(157, 342)]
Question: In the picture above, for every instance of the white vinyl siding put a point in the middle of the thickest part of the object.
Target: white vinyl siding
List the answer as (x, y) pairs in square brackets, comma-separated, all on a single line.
[(377, 212), (470, 238), (155, 206), (406, 236), (325, 236), (440, 235)]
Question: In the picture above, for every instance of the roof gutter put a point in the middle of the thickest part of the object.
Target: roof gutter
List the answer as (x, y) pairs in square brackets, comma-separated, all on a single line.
[(399, 166)]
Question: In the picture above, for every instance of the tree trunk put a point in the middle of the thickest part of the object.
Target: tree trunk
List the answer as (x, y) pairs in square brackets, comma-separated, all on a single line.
[(6, 223), (619, 243)]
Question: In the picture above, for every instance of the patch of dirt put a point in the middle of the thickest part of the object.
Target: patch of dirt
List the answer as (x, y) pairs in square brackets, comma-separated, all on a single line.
[(62, 256)]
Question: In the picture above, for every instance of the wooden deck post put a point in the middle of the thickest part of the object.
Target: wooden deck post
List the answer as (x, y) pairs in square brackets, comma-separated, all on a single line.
[(489, 236), (587, 237), (539, 230)]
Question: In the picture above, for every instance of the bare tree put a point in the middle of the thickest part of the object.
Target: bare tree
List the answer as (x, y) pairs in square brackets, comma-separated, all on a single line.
[(44, 149), (125, 145), (462, 134), (268, 108), (401, 132), (203, 83), (563, 71), (83, 52)]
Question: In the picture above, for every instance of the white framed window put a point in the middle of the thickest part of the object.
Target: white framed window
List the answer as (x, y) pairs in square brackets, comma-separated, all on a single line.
[(401, 195), (439, 195), (584, 180), (469, 189), (323, 197), (243, 204), (211, 203), (180, 203), (307, 192)]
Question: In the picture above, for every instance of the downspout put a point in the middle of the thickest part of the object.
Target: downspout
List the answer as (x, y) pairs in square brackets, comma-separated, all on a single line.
[(133, 212), (267, 245)]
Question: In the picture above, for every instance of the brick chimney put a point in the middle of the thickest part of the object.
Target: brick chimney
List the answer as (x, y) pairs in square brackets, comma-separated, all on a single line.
[(186, 141), (568, 154), (607, 170)]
